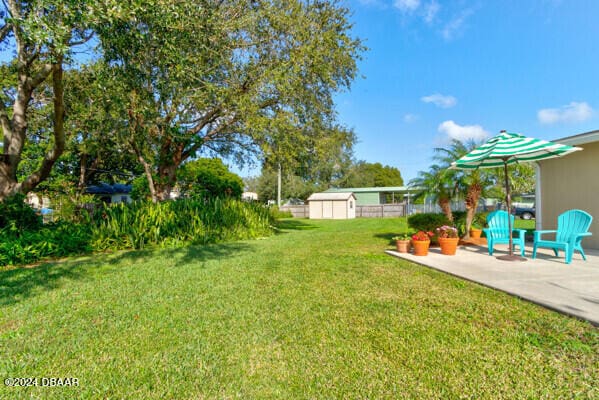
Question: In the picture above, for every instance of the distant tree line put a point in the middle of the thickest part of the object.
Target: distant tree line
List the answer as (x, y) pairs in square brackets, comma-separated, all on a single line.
[(345, 174)]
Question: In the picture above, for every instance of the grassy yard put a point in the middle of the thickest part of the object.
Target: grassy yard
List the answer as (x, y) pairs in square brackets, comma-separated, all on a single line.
[(316, 311)]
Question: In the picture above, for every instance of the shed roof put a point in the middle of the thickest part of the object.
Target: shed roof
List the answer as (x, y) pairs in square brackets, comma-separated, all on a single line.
[(331, 196)]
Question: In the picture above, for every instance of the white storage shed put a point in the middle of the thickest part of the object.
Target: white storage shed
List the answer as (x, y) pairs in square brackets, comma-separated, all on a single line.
[(332, 205)]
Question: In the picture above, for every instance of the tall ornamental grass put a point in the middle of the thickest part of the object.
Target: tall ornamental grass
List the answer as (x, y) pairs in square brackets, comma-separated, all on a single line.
[(135, 226), (172, 223)]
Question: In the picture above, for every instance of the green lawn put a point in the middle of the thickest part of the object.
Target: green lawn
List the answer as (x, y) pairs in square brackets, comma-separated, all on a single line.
[(524, 224), (316, 311)]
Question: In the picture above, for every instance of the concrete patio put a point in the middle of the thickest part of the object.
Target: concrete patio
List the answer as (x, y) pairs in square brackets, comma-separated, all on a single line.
[(548, 281)]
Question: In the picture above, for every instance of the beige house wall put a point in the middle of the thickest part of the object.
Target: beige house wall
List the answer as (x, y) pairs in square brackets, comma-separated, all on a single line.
[(568, 183)]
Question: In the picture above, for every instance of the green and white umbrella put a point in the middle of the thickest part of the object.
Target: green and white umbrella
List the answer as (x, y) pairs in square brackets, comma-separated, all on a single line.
[(510, 148)]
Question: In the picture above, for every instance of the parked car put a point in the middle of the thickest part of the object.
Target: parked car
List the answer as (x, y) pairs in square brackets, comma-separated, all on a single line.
[(524, 212)]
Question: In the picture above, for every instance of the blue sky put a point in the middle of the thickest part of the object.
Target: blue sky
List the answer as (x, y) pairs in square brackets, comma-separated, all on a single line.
[(437, 70)]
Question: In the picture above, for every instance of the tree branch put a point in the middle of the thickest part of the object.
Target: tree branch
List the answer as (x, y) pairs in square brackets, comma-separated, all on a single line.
[(59, 136), (41, 76), (206, 119), (5, 122), (81, 41), (4, 31)]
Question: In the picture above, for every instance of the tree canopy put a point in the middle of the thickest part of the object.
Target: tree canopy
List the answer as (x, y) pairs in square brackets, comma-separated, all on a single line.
[(172, 81), (209, 177), (363, 174)]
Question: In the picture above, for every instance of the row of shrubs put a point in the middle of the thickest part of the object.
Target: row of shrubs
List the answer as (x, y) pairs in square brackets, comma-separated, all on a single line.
[(24, 239), (428, 222)]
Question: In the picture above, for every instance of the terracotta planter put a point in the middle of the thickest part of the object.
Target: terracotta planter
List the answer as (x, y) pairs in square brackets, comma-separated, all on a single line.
[(421, 247), (475, 233), (448, 245), (403, 246)]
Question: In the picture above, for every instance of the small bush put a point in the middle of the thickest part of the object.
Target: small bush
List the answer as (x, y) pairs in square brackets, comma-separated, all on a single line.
[(427, 222), (480, 220), (459, 221), (276, 213), (58, 239), (18, 215)]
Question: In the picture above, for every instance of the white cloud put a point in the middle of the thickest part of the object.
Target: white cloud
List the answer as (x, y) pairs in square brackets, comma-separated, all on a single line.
[(454, 26), (409, 118), (463, 132), (440, 100), (406, 5), (573, 112), (430, 11)]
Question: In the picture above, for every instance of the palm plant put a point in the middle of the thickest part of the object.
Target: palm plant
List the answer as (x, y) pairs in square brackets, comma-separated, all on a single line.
[(439, 183), (470, 183)]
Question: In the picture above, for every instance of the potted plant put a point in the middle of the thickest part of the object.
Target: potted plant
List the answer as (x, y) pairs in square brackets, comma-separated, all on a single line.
[(402, 242), (421, 241), (479, 222), (448, 239), (475, 231)]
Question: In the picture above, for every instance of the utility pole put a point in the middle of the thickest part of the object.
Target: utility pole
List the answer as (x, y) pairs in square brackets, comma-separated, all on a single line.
[(279, 187)]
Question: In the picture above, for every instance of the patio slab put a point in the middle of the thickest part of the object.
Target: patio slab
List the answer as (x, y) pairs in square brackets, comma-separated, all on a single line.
[(548, 281)]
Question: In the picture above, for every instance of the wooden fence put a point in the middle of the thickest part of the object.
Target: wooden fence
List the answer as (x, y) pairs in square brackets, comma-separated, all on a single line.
[(297, 211), (381, 211)]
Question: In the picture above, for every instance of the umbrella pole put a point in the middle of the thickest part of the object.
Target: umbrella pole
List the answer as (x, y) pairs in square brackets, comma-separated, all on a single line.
[(508, 200)]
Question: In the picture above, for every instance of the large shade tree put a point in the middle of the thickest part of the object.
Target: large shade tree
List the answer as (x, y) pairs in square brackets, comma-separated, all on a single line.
[(41, 36), (228, 78)]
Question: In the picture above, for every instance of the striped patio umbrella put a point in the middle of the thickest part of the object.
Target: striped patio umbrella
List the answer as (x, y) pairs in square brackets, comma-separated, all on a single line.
[(510, 148)]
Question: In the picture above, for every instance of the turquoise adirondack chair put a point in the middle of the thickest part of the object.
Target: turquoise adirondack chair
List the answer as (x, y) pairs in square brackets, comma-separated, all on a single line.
[(572, 227), (498, 231)]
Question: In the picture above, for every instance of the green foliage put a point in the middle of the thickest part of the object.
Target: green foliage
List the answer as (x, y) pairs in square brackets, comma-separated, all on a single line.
[(292, 186), (140, 189), (480, 220), (166, 224), (209, 177), (427, 222), (522, 179), (58, 239), (363, 174), (229, 78), (136, 226), (276, 213), (18, 215), (459, 221)]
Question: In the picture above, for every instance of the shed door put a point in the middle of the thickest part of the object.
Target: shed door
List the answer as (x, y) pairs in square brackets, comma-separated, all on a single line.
[(327, 209)]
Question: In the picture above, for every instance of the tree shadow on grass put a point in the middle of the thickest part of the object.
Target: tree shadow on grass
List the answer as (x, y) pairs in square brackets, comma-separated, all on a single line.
[(292, 224), (387, 236), (23, 282)]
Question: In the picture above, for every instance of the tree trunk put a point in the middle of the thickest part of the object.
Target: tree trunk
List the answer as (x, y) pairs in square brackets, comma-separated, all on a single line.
[(472, 197), (15, 130), (171, 158), (445, 205)]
